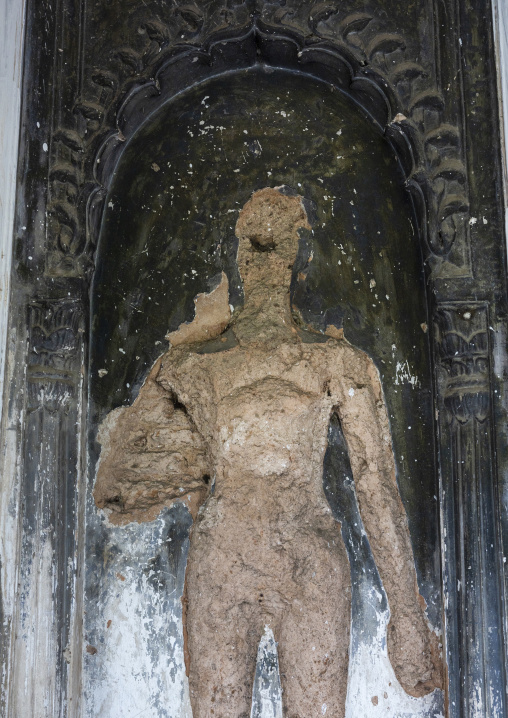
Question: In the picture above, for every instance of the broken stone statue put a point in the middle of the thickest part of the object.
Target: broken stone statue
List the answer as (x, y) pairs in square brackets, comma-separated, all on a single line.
[(235, 424)]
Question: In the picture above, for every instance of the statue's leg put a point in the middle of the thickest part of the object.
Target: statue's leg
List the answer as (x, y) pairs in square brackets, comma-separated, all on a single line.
[(314, 635), (223, 625), (222, 645)]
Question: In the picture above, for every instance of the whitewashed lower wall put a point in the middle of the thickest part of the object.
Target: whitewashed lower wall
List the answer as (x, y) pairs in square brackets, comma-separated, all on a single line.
[(134, 663)]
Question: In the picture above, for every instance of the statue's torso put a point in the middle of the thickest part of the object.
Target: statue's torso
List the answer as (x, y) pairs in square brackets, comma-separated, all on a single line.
[(265, 417)]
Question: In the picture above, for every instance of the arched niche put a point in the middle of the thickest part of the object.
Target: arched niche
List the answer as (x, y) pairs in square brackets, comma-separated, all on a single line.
[(167, 232)]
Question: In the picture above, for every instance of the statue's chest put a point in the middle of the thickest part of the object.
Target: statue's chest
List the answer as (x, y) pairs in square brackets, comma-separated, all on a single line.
[(269, 424), (267, 403)]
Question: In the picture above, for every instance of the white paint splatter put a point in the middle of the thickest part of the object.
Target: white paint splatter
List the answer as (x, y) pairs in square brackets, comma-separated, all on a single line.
[(404, 375), (371, 674), (128, 677)]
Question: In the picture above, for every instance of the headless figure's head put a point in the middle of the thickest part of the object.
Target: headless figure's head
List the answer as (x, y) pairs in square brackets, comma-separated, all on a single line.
[(267, 230)]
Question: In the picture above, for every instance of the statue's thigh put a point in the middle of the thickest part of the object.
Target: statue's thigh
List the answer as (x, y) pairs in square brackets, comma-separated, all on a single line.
[(223, 630), (314, 641), (222, 641)]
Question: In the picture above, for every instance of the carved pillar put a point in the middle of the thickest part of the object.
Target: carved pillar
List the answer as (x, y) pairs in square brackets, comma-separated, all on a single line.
[(469, 506), (50, 470)]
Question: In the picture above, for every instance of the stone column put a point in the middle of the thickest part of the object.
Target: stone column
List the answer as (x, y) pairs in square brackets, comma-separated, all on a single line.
[(50, 477), (472, 584)]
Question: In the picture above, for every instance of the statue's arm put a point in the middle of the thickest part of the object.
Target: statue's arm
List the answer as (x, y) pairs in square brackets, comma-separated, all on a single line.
[(152, 455), (412, 647)]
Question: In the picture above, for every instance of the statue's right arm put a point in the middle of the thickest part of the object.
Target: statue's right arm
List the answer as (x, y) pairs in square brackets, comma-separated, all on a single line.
[(152, 455)]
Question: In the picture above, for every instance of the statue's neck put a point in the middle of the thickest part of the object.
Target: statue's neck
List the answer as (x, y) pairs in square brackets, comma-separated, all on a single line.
[(266, 314)]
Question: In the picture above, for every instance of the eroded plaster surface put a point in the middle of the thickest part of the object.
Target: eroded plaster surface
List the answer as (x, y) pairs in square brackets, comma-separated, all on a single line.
[(239, 435)]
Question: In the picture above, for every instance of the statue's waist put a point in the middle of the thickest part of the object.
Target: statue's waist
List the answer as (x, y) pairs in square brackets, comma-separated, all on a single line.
[(268, 503), (254, 531)]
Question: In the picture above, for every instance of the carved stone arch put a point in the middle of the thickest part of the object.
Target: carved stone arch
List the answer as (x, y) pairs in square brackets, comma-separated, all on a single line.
[(428, 151), (354, 53)]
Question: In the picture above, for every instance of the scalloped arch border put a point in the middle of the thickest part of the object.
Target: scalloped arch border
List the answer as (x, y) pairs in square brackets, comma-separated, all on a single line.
[(398, 99)]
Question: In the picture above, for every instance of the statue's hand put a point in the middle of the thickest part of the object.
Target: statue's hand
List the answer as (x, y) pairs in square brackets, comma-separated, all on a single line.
[(414, 653)]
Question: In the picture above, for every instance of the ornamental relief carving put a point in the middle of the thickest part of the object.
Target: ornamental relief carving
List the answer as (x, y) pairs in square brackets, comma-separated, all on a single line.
[(55, 338), (358, 52), (462, 335)]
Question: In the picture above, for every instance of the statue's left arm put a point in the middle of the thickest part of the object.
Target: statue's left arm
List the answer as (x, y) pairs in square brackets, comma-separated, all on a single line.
[(412, 647)]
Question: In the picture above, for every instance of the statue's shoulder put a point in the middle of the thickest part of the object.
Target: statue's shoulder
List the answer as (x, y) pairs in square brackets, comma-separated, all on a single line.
[(225, 342), (343, 357), (179, 364), (319, 343), (197, 363)]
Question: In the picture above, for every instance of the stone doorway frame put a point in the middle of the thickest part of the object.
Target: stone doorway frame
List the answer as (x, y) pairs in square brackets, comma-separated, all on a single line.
[(52, 299)]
